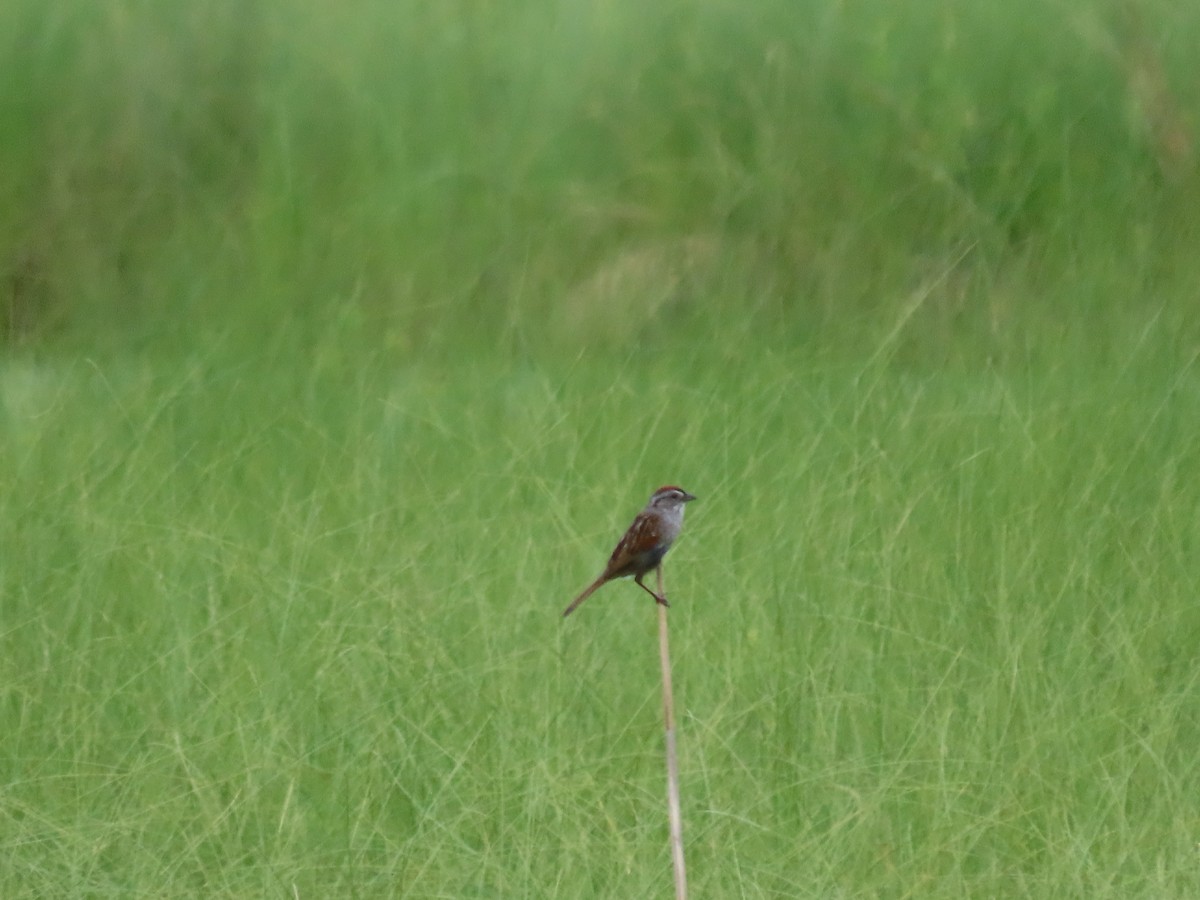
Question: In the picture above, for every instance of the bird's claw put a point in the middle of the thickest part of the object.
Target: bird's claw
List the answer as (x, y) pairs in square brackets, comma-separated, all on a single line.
[(661, 600)]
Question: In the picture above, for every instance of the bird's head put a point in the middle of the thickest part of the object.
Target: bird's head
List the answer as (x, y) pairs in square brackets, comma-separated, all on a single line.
[(670, 497)]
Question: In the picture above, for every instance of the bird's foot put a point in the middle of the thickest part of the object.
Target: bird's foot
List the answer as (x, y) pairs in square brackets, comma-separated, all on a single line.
[(661, 600)]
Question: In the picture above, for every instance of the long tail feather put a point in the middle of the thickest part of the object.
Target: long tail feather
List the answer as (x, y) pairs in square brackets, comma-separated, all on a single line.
[(587, 592)]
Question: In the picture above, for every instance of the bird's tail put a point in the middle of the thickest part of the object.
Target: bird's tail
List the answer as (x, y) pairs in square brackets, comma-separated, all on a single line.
[(587, 592)]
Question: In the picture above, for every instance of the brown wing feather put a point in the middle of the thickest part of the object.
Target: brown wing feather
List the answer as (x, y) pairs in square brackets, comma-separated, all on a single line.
[(641, 538)]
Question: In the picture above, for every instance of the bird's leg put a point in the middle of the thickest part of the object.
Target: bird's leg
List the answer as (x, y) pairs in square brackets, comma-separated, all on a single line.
[(658, 598)]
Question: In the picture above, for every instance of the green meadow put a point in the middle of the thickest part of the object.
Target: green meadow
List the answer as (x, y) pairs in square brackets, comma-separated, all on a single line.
[(341, 343)]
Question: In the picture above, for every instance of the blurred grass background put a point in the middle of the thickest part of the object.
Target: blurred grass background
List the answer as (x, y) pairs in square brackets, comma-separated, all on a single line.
[(470, 171), (340, 343)]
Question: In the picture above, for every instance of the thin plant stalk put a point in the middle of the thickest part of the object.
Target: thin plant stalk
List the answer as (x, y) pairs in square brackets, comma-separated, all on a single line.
[(673, 810)]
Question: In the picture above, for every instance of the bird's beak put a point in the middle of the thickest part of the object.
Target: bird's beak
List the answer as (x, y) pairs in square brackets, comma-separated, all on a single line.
[(688, 498)]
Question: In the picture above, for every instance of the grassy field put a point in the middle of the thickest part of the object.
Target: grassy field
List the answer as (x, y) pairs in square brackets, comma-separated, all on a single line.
[(340, 348)]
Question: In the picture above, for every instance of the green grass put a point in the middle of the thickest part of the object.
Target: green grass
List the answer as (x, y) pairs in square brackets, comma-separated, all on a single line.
[(340, 348), (932, 635)]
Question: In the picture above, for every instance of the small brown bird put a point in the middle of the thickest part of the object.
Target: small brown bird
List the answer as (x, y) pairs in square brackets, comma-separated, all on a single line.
[(644, 545)]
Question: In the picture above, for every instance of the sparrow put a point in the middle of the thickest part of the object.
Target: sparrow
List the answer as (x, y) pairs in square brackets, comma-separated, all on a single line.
[(644, 544)]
